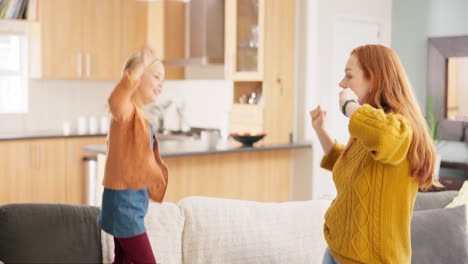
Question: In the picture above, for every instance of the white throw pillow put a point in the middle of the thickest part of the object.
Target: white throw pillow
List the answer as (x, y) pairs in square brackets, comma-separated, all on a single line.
[(461, 199), (164, 225), (243, 232)]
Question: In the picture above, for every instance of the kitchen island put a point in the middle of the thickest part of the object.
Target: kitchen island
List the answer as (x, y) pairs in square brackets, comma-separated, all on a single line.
[(266, 172)]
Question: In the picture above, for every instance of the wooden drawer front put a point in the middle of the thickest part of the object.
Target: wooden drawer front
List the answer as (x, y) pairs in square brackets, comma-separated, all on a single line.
[(252, 114)]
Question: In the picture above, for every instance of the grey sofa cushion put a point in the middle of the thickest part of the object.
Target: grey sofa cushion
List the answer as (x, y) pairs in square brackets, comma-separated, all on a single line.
[(438, 236), (433, 200), (49, 233)]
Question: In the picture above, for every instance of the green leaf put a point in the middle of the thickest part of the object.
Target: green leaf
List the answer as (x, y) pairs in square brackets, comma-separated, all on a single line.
[(431, 119)]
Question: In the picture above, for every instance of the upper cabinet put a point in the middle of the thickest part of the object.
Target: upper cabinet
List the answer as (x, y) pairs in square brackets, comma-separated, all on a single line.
[(101, 35), (91, 39), (263, 96), (159, 23), (244, 29), (61, 39), (83, 46)]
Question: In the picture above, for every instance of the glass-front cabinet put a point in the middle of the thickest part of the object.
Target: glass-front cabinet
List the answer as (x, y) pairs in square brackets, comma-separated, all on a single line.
[(244, 39)]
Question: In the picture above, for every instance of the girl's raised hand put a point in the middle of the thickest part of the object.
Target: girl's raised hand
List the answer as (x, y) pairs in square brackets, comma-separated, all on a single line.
[(147, 54)]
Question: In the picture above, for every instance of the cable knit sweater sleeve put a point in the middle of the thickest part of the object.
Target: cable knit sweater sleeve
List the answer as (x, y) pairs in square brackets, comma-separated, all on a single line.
[(332, 156), (386, 136)]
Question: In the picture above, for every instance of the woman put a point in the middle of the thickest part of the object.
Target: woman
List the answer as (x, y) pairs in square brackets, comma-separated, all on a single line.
[(377, 175)]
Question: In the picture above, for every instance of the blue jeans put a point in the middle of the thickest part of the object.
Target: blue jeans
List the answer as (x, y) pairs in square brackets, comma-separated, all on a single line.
[(328, 258)]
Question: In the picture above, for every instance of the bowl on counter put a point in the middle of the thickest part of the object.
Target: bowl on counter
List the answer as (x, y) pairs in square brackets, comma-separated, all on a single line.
[(247, 139)]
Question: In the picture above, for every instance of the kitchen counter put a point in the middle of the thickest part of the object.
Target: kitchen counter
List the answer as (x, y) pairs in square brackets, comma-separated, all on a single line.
[(266, 172), (173, 148), (51, 135), (44, 135)]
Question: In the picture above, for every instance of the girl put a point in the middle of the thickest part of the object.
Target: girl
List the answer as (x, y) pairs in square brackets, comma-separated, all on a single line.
[(377, 175), (134, 169)]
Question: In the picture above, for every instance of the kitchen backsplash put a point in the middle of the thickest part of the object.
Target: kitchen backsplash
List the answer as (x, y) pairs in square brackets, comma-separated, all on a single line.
[(206, 103)]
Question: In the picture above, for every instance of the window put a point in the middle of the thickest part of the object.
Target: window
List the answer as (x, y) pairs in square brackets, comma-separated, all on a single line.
[(457, 89), (13, 70)]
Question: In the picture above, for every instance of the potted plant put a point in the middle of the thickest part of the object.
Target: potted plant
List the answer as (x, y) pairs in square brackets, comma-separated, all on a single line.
[(434, 126)]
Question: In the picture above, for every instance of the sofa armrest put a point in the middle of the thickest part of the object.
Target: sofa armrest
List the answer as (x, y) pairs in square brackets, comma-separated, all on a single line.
[(49, 233)]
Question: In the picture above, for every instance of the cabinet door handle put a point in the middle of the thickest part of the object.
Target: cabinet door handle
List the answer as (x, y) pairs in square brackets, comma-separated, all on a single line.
[(88, 65), (38, 156), (79, 65), (280, 83), (70, 153), (28, 151)]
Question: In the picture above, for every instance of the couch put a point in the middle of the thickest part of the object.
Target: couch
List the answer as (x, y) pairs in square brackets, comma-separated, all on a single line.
[(195, 230)]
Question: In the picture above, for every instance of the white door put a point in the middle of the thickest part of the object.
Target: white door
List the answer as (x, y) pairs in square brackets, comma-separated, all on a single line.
[(348, 34)]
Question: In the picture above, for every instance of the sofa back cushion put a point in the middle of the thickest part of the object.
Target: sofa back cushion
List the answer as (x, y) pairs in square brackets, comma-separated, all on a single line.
[(243, 232), (49, 233), (164, 225), (439, 236), (433, 200)]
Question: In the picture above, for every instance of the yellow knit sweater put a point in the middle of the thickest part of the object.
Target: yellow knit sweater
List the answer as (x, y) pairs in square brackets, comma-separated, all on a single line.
[(369, 220)]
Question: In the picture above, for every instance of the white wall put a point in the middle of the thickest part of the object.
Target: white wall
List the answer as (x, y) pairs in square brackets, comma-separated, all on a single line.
[(447, 18), (51, 102), (315, 40), (207, 102), (409, 41), (413, 23)]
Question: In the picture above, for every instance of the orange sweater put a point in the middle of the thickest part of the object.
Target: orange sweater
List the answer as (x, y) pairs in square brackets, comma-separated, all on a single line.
[(131, 163)]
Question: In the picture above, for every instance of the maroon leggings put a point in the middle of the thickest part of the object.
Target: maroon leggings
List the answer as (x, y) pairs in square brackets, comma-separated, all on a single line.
[(135, 250)]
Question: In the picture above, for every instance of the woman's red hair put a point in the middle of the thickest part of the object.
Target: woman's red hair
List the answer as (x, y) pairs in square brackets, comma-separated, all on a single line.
[(392, 92)]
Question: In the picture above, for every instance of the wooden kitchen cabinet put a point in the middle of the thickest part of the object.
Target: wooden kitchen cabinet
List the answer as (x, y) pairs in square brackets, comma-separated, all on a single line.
[(32, 171), (44, 170), (133, 22), (80, 39), (244, 60), (276, 31), (61, 39), (91, 39), (159, 23), (278, 80), (47, 174), (75, 173), (102, 35), (254, 176), (15, 164), (247, 118), (244, 39)]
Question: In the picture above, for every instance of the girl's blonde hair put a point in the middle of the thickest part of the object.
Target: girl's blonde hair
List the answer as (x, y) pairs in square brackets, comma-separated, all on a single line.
[(134, 59), (392, 92), (129, 64)]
